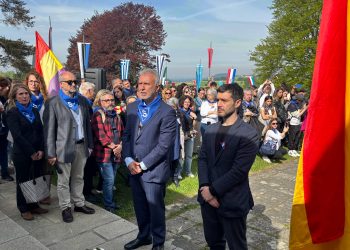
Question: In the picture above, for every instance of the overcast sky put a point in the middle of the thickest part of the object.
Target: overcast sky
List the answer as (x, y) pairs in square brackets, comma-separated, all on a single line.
[(235, 27)]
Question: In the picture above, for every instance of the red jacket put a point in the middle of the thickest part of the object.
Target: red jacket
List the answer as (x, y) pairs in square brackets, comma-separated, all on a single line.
[(103, 136)]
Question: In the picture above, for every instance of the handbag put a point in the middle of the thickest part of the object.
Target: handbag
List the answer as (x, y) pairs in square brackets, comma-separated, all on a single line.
[(35, 189), (268, 148)]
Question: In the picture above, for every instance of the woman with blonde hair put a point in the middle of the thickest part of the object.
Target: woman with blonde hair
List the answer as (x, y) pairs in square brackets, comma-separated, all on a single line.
[(28, 144), (166, 94)]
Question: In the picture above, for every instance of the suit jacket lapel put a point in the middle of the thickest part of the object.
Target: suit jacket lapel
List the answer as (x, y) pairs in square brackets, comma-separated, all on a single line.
[(65, 107), (147, 124)]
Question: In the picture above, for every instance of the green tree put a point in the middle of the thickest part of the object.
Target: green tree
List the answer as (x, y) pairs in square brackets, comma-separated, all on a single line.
[(14, 52), (287, 54)]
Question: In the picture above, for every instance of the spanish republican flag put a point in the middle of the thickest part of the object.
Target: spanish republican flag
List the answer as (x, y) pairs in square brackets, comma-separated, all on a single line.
[(321, 206), (47, 65)]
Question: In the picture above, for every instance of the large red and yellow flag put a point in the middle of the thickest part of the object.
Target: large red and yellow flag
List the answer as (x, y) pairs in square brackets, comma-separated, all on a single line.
[(47, 65), (321, 206)]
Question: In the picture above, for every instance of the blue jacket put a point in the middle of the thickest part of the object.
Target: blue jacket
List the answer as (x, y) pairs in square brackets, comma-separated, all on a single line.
[(153, 143)]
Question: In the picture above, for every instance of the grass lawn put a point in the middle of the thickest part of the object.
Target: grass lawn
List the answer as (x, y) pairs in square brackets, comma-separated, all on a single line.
[(188, 188)]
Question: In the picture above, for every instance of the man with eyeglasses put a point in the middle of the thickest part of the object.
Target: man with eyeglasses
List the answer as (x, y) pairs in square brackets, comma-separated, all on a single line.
[(68, 143)]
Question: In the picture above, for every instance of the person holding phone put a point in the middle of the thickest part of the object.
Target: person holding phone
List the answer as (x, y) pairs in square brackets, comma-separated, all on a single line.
[(275, 137)]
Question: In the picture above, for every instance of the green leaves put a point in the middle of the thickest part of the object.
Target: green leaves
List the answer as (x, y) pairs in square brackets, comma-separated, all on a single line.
[(287, 54), (14, 52)]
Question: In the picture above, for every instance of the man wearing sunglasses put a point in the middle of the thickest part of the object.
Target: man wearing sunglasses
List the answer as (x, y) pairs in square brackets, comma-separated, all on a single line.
[(68, 143)]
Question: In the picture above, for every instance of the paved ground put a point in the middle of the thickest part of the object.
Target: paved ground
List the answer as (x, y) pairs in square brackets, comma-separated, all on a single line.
[(268, 223)]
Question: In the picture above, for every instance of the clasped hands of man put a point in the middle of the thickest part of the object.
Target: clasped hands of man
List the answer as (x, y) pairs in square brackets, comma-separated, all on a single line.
[(208, 197)]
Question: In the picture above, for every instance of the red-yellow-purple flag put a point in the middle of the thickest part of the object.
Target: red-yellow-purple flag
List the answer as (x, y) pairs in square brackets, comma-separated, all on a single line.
[(320, 214), (47, 65)]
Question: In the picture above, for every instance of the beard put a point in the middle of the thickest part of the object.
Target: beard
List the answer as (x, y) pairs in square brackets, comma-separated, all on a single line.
[(227, 114)]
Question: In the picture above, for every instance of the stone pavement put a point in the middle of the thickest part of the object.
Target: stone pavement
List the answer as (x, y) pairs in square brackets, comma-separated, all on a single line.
[(268, 223)]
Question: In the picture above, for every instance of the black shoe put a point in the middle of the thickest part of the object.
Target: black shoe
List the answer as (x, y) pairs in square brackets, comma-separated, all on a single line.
[(159, 247), (8, 178), (136, 243), (84, 209), (67, 215)]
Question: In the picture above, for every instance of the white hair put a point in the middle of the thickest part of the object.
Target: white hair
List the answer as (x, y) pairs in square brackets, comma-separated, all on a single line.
[(212, 92), (86, 86), (173, 101), (152, 72)]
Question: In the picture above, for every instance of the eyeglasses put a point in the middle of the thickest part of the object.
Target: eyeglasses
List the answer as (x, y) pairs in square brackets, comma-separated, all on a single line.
[(168, 93), (108, 100), (70, 82), (32, 81), (274, 123)]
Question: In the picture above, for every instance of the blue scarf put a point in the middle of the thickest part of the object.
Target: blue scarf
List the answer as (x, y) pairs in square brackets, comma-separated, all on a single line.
[(186, 112), (111, 113), (27, 112), (248, 104), (37, 101), (211, 101), (70, 102), (145, 112)]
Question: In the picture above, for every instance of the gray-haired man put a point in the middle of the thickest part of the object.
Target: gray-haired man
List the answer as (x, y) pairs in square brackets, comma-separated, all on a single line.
[(68, 142)]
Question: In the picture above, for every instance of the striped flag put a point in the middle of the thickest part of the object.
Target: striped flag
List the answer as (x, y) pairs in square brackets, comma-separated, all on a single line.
[(124, 69), (320, 217), (251, 80), (165, 75), (199, 74), (231, 74), (160, 64), (84, 52), (47, 65)]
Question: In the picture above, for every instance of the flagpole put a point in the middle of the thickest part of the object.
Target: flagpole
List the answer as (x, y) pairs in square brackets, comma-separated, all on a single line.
[(50, 34)]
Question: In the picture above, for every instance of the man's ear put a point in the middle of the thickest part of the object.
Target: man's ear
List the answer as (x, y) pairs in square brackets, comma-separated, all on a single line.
[(238, 103)]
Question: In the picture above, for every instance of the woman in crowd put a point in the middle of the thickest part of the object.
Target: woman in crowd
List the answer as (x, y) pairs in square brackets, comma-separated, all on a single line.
[(296, 109), (28, 147), (209, 110), (177, 152), (166, 94), (119, 96), (274, 137), (187, 116), (5, 85), (265, 89), (278, 103), (107, 128), (267, 112), (120, 102), (38, 91)]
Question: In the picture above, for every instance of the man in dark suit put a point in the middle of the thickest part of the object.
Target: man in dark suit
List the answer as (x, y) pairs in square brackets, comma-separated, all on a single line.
[(227, 154), (147, 144), (68, 143)]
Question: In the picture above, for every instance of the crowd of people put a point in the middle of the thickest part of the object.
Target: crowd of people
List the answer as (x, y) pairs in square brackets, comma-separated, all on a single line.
[(152, 130)]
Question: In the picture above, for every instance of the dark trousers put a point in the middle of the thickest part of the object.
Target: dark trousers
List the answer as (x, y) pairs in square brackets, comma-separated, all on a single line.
[(149, 208), (25, 173), (294, 137), (279, 153), (3, 155), (218, 230), (89, 173)]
